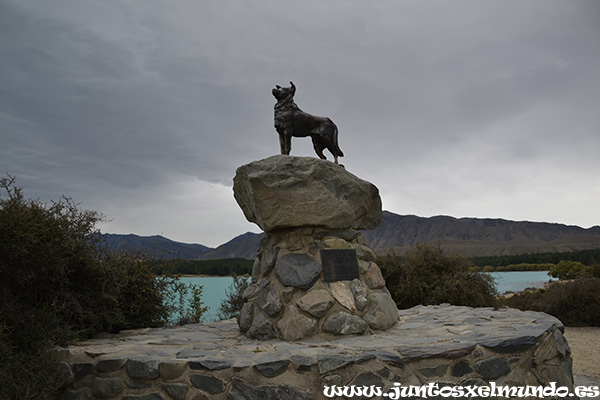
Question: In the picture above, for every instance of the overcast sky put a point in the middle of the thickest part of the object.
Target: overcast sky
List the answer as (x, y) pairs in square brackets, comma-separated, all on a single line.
[(143, 109)]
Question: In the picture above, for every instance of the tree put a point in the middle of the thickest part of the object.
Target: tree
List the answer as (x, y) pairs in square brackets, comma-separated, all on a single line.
[(232, 304), (427, 275), (58, 283), (568, 270)]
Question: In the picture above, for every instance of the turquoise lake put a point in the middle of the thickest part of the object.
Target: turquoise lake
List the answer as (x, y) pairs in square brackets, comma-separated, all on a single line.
[(214, 287), (517, 281)]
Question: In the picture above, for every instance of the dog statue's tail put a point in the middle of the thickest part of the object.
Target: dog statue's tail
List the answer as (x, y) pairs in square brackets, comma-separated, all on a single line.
[(339, 151)]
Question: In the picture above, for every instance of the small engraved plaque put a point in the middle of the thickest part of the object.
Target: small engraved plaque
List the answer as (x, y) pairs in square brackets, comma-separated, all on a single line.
[(339, 265)]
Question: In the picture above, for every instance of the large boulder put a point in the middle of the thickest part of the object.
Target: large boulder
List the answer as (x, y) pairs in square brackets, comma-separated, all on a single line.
[(288, 192)]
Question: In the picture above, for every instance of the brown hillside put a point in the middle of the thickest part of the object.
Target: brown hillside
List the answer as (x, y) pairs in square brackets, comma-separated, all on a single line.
[(480, 237)]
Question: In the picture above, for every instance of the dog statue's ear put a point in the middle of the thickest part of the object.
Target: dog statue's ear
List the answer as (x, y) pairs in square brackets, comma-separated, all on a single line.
[(293, 86)]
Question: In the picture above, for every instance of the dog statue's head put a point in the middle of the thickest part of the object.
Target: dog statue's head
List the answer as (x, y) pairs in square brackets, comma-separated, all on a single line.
[(282, 93)]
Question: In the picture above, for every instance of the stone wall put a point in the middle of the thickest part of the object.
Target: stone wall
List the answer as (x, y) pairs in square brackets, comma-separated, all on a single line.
[(445, 345), (299, 332)]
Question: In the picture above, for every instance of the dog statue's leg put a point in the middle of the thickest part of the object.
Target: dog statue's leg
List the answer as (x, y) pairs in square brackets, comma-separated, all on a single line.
[(319, 146), (282, 143), (329, 137), (287, 139)]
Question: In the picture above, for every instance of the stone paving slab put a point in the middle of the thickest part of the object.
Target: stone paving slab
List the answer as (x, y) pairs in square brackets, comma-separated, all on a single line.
[(422, 332)]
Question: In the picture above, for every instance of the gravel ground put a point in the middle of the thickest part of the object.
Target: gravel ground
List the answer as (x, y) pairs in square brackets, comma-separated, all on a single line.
[(585, 349)]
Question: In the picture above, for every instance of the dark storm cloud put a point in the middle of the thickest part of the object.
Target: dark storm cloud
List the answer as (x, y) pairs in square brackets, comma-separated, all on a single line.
[(143, 110)]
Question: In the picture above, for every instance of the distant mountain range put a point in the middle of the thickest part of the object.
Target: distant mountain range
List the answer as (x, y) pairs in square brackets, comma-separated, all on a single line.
[(157, 246), (465, 236), (480, 237), (243, 246)]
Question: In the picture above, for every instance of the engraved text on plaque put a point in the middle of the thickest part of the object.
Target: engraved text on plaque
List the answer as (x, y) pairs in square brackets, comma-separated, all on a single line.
[(339, 265)]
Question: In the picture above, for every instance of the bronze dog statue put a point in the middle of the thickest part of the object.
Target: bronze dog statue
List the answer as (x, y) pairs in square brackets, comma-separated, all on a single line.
[(292, 121)]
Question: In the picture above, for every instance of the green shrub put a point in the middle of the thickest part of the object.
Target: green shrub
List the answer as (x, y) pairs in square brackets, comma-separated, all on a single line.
[(232, 304), (58, 284), (594, 271), (525, 267), (575, 303), (31, 374), (192, 312), (568, 270), (586, 257), (426, 275)]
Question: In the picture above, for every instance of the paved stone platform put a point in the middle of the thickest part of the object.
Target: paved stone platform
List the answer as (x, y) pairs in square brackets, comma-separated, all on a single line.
[(443, 344)]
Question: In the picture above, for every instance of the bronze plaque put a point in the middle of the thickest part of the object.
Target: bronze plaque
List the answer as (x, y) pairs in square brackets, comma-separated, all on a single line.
[(339, 265)]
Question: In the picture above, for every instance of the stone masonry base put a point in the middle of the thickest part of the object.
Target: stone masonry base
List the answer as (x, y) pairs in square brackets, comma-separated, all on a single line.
[(444, 344)]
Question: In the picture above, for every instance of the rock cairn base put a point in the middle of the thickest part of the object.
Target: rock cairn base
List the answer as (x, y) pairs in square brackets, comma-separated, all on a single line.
[(290, 300), (446, 345)]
